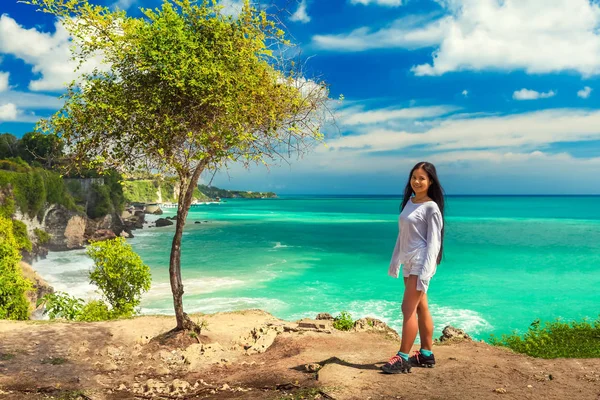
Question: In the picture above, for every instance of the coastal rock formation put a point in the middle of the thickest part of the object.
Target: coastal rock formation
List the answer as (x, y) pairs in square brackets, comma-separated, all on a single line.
[(325, 316), (66, 229), (163, 222), (452, 333), (373, 324), (40, 289), (102, 234)]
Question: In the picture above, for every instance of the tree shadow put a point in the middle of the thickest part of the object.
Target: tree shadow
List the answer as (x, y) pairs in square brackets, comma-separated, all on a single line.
[(339, 361)]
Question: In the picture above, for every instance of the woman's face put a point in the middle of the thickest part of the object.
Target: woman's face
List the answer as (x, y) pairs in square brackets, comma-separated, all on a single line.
[(420, 182)]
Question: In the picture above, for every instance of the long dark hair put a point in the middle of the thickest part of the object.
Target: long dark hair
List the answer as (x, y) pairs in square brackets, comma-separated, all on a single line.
[(435, 193)]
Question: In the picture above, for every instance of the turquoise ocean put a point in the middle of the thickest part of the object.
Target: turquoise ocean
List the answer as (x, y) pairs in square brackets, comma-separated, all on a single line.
[(508, 260)]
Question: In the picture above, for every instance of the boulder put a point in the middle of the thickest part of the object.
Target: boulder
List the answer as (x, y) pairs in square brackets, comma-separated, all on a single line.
[(373, 324), (163, 222), (101, 235), (325, 316), (452, 333)]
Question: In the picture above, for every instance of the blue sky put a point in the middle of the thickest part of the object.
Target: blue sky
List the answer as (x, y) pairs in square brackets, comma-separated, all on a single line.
[(503, 96)]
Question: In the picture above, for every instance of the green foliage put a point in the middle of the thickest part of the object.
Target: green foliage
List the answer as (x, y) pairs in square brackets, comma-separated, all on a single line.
[(96, 310), (21, 235), (43, 237), (9, 146), (55, 360), (120, 274), (343, 322), (7, 203), (46, 150), (13, 286), (62, 305), (102, 202), (141, 191), (14, 164), (35, 188), (555, 339)]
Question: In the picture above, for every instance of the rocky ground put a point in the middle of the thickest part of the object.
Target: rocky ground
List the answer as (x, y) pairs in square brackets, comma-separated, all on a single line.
[(252, 355)]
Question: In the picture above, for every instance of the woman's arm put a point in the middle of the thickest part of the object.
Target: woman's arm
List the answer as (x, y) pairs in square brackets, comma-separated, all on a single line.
[(434, 243)]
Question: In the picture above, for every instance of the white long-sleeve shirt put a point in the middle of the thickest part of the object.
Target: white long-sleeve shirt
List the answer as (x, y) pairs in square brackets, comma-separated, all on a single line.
[(419, 240)]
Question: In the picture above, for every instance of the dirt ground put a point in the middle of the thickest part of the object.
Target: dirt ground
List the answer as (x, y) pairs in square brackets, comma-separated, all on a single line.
[(252, 355)]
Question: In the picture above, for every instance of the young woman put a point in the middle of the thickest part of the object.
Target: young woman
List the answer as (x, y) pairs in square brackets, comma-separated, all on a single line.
[(419, 250)]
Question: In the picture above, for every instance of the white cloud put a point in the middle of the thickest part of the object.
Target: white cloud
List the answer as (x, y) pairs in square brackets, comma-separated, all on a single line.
[(537, 36), (518, 131), (232, 7), (301, 14), (124, 4), (8, 112), (4, 81), (32, 100), (356, 116), (465, 93), (407, 32), (585, 92), (527, 94), (387, 3), (48, 53)]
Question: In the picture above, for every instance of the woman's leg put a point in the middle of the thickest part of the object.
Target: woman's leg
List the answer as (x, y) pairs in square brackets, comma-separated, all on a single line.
[(425, 323), (410, 326)]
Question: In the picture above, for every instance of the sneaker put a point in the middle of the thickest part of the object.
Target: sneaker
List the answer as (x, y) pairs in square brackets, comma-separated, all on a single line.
[(396, 365), (421, 360)]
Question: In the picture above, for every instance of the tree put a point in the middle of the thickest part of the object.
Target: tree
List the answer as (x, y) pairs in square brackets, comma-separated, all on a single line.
[(44, 149), (183, 89), (120, 274), (8, 146)]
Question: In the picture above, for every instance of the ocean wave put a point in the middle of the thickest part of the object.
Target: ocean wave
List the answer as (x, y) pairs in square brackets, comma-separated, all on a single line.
[(193, 286), (389, 312), (220, 304)]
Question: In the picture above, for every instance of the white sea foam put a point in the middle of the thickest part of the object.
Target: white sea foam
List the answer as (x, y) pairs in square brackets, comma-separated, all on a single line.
[(192, 287), (278, 245), (68, 272), (220, 304), (389, 312)]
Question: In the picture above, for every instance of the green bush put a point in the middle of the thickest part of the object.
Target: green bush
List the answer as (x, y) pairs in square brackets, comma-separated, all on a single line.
[(120, 274), (95, 310), (343, 322), (555, 340), (21, 235), (62, 305), (13, 286), (43, 237)]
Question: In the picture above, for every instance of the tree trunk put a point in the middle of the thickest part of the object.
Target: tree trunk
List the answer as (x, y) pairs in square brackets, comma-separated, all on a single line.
[(185, 200)]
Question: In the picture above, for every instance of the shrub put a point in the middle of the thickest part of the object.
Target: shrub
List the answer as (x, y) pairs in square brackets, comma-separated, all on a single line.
[(120, 274), (555, 339), (95, 310), (343, 322), (62, 305), (21, 235), (43, 237), (13, 286)]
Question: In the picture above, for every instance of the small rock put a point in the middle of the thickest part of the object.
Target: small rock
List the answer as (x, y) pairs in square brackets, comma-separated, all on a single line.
[(529, 386), (500, 390), (225, 387), (122, 387), (180, 385), (312, 367)]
